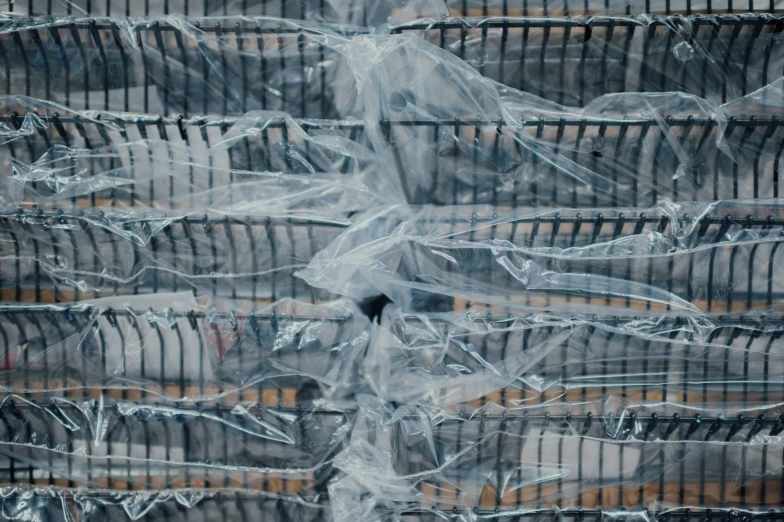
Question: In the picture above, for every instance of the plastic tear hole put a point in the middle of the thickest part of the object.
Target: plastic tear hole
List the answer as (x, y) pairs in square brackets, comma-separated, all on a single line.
[(398, 102)]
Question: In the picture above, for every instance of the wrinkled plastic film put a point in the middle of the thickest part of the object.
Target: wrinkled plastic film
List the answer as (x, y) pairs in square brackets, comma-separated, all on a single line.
[(463, 360), (573, 61), (58, 504), (126, 393), (172, 348), (585, 455), (673, 259), (128, 445), (564, 8), (475, 141), (173, 65), (55, 157)]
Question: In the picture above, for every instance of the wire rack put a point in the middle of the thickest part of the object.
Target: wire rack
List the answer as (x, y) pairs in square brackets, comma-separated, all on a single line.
[(574, 61), (275, 356), (131, 446), (212, 66), (59, 256), (585, 162), (735, 359), (588, 461), (194, 155), (699, 267), (59, 505), (488, 8), (293, 9)]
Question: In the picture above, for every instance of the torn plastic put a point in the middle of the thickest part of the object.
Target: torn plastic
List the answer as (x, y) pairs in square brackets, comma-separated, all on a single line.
[(172, 65), (607, 454), (673, 259), (57, 504), (52, 156), (474, 141), (173, 347), (483, 356)]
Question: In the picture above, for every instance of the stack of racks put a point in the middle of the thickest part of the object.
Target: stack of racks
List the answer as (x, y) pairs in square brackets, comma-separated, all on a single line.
[(569, 213)]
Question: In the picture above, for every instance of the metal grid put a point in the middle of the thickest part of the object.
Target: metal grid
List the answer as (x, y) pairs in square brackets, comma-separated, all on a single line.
[(628, 162), (573, 61), (587, 7), (167, 66), (63, 256)]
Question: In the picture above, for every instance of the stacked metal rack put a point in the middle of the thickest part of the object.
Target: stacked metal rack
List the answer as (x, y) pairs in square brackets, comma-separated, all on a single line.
[(587, 320), (161, 361)]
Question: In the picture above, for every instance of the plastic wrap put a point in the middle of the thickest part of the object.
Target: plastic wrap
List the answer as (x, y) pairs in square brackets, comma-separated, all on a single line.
[(673, 259), (331, 11), (472, 140), (573, 61), (463, 360), (127, 445), (164, 391), (174, 347), (606, 455), (51, 256), (52, 156), (627, 7), (171, 65), (54, 504)]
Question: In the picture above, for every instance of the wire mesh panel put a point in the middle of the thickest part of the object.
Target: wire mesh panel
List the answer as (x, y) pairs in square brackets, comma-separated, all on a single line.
[(682, 259), (586, 455), (152, 348), (198, 505), (56, 156), (573, 61), (170, 65), (59, 256), (462, 361)]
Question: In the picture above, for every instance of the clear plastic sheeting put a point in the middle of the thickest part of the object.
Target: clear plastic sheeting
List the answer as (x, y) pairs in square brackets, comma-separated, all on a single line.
[(53, 256), (174, 348), (330, 11), (54, 157), (59, 504), (474, 141), (608, 455), (463, 360), (125, 445), (575, 60), (673, 259), (172, 65), (598, 7)]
